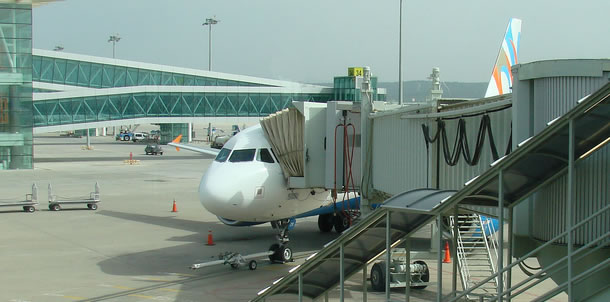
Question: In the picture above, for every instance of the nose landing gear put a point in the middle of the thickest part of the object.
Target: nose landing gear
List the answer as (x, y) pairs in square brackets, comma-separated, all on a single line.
[(281, 252)]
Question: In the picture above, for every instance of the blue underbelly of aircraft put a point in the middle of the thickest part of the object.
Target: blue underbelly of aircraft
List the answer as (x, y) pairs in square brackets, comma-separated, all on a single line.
[(353, 204)]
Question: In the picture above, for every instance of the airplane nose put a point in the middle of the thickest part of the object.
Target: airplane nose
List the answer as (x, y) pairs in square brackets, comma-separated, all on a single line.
[(219, 195)]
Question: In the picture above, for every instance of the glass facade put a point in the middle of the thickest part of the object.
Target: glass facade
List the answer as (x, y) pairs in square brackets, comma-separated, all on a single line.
[(179, 104), (96, 75), (16, 121), (347, 90)]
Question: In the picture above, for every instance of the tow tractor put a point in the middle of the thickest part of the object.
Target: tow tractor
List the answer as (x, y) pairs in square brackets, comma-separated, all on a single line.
[(235, 260)]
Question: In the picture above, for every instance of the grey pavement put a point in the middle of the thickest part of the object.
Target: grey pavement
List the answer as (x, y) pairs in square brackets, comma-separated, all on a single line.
[(133, 248)]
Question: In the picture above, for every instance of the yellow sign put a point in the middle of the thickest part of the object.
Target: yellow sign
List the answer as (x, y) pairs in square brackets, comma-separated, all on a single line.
[(355, 71), (3, 110)]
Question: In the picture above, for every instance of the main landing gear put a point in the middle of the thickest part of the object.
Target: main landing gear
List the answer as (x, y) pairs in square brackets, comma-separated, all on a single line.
[(339, 220), (281, 252)]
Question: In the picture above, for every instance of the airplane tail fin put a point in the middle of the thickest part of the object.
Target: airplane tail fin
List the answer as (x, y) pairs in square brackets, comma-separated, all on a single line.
[(177, 141), (501, 81)]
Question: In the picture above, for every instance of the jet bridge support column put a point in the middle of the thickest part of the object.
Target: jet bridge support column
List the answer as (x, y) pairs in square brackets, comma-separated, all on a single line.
[(439, 260), (366, 107)]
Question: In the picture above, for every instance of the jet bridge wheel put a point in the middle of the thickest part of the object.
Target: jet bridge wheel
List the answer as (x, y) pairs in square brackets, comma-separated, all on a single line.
[(92, 206), (54, 207), (341, 221), (29, 209), (325, 223)]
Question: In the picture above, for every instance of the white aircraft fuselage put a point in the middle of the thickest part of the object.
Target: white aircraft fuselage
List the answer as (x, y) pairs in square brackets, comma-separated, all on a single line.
[(245, 183)]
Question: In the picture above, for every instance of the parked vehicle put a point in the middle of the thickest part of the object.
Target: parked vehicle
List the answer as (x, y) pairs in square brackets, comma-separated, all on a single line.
[(219, 140), (138, 136), (124, 136), (153, 149)]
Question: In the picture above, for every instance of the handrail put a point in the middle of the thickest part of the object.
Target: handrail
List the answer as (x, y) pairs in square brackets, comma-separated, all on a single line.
[(531, 253)]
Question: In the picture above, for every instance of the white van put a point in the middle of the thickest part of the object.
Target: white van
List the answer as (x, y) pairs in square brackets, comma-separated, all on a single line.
[(139, 136)]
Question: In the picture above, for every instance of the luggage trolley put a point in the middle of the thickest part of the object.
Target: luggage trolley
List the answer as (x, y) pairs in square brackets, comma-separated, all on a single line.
[(55, 201), (28, 204)]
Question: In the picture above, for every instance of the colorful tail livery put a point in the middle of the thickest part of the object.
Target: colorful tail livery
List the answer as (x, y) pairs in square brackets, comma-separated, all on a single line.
[(501, 80)]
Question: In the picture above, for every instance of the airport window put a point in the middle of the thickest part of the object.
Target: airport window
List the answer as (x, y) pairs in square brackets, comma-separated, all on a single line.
[(264, 156), (242, 155), (223, 155)]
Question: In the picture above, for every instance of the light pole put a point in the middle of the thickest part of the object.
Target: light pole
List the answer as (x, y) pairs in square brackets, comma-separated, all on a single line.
[(400, 56), (209, 22), (114, 39)]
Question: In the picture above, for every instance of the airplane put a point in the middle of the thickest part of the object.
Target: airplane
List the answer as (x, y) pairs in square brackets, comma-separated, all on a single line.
[(245, 185)]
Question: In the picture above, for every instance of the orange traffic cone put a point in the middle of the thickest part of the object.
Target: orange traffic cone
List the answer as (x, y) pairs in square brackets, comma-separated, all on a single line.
[(174, 209), (210, 238), (447, 253)]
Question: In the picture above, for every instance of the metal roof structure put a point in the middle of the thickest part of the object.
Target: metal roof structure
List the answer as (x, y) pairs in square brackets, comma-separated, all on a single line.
[(533, 164)]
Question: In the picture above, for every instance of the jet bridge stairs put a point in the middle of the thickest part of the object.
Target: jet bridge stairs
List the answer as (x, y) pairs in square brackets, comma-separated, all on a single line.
[(554, 152)]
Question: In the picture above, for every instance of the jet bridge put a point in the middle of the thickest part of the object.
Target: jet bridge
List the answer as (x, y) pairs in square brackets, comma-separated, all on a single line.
[(510, 180)]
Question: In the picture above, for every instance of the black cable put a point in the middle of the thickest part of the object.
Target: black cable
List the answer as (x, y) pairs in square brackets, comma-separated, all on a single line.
[(461, 145)]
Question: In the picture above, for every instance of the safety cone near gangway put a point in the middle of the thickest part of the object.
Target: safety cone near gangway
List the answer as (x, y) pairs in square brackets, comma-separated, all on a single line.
[(174, 209), (210, 238), (447, 253)]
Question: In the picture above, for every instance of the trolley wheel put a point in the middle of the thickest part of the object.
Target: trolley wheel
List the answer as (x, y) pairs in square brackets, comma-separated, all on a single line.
[(341, 221), (325, 223), (252, 265), (54, 207), (29, 209), (92, 206), (377, 278), (425, 277)]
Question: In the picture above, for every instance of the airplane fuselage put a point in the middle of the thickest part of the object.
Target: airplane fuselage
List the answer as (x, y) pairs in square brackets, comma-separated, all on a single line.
[(245, 183)]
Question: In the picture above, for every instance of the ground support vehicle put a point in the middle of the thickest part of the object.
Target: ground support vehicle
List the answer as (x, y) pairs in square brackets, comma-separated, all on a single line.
[(55, 202), (31, 200), (420, 274), (235, 260), (124, 136), (153, 149)]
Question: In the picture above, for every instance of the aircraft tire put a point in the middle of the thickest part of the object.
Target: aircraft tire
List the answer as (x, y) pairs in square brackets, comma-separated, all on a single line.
[(275, 249), (341, 222), (325, 223), (286, 254)]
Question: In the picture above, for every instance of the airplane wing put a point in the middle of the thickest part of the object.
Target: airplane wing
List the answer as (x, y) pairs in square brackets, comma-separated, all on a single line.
[(175, 143)]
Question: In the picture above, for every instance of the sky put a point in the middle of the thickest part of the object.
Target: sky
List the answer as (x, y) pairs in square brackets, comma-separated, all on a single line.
[(313, 41)]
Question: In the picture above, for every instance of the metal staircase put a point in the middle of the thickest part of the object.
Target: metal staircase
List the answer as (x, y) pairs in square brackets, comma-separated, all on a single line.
[(476, 253)]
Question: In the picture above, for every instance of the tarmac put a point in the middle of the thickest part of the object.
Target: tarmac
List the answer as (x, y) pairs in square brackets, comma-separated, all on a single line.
[(133, 247)]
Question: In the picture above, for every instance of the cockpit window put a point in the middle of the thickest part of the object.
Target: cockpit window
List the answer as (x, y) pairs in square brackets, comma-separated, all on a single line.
[(264, 155), (242, 155), (223, 155)]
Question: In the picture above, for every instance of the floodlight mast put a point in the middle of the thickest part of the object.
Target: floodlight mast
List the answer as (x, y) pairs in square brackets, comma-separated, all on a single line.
[(114, 39), (209, 22)]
